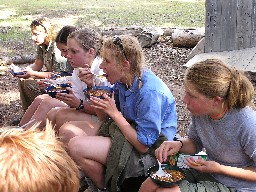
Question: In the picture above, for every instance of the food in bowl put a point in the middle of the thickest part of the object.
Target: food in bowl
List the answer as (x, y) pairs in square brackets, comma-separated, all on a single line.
[(195, 163), (174, 175), (58, 88), (98, 91)]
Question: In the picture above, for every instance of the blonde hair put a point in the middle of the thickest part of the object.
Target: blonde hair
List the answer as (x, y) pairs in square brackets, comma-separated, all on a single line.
[(47, 26), (35, 161), (88, 38), (127, 48), (213, 78)]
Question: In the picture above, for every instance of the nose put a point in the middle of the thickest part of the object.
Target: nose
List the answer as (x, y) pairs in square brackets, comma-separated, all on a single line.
[(102, 64), (68, 56), (63, 54)]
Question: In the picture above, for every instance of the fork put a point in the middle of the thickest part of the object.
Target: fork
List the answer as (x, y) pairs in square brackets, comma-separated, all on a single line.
[(160, 172)]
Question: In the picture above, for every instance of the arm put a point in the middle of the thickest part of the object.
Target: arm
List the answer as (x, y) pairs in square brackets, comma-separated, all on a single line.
[(168, 148), (129, 132), (72, 101), (86, 76), (109, 107), (33, 70), (247, 173)]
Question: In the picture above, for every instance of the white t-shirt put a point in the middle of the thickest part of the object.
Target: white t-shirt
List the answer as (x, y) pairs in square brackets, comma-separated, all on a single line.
[(78, 86)]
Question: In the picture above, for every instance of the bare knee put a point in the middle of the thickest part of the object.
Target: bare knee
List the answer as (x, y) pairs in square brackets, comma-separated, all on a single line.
[(51, 116), (42, 97), (62, 116), (39, 99), (69, 130)]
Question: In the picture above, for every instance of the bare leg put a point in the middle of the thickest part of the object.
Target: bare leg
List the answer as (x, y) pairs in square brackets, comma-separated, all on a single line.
[(174, 188), (149, 186), (51, 115), (32, 108), (90, 153), (70, 114), (42, 110), (78, 128)]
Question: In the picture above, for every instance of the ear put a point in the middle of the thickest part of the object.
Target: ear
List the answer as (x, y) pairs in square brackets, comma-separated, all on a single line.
[(126, 64), (91, 51), (217, 100)]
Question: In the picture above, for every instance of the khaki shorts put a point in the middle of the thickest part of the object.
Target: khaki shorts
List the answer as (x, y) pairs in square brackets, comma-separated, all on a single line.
[(28, 92)]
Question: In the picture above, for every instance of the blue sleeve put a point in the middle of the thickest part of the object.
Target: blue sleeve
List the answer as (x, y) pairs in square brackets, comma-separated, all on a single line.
[(153, 112)]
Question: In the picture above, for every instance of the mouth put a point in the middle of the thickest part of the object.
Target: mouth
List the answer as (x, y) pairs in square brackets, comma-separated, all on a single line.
[(71, 62)]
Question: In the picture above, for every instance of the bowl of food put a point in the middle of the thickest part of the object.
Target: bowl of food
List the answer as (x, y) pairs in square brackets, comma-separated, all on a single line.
[(98, 91), (174, 175), (57, 88)]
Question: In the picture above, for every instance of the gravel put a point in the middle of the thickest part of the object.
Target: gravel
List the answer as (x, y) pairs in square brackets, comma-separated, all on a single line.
[(162, 58)]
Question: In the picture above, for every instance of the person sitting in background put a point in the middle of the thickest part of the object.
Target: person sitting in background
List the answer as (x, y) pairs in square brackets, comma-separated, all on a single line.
[(223, 122), (34, 113), (83, 53), (48, 58), (35, 161), (83, 48), (140, 114)]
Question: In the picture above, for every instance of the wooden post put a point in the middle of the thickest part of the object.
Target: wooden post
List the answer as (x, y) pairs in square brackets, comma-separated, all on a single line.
[(230, 25)]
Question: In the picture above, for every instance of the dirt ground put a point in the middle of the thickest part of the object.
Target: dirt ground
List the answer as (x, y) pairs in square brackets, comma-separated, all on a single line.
[(164, 59)]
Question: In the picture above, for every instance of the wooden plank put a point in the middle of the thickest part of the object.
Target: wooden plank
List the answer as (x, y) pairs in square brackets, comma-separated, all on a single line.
[(253, 34), (228, 25), (243, 59), (212, 42), (244, 23)]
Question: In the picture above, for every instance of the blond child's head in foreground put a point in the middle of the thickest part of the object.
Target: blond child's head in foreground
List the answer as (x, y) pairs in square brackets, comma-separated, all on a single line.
[(35, 161)]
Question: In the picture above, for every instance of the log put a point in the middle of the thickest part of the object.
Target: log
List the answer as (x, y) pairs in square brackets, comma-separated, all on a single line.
[(24, 59), (187, 38)]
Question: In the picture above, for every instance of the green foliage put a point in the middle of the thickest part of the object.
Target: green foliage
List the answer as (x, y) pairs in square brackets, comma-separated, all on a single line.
[(16, 15), (111, 13)]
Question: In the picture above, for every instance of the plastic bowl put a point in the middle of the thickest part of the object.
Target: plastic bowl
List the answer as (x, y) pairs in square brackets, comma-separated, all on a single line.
[(58, 88), (177, 175), (14, 73), (98, 91)]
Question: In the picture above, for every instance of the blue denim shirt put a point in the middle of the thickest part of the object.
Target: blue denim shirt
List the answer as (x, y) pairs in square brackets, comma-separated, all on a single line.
[(152, 107)]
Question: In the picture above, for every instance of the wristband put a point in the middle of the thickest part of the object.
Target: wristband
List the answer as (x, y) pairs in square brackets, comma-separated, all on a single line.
[(81, 105)]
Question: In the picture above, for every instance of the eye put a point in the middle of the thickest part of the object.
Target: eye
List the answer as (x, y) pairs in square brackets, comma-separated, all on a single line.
[(72, 51), (35, 34)]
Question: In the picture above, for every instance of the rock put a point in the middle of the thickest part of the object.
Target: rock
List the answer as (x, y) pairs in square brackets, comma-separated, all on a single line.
[(187, 37)]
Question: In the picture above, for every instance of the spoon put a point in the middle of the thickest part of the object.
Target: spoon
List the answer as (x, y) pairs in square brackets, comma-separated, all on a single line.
[(100, 76), (160, 172)]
